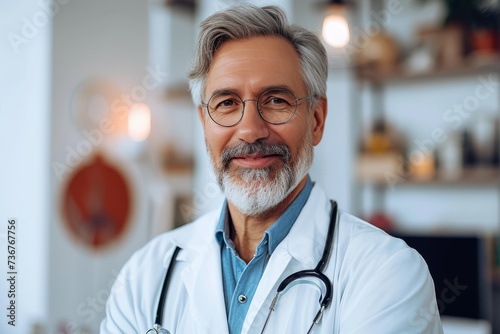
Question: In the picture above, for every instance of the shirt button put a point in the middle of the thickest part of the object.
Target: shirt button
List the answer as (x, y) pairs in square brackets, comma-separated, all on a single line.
[(242, 299)]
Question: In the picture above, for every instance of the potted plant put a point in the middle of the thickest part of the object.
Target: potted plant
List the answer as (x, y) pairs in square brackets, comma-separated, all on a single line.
[(477, 19), (483, 33)]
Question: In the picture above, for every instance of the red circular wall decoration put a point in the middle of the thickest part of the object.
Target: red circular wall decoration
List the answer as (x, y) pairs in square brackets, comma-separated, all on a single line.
[(96, 203)]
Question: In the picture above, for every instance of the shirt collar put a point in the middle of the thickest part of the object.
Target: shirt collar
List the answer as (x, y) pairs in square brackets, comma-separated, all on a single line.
[(278, 230), (222, 230)]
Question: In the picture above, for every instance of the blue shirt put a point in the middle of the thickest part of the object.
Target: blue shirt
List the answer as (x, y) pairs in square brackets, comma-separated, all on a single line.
[(240, 280)]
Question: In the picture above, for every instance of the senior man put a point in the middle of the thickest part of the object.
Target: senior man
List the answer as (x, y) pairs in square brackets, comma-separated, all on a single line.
[(277, 257)]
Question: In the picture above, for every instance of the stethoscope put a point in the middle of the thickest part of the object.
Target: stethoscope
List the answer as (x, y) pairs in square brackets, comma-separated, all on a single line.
[(299, 275)]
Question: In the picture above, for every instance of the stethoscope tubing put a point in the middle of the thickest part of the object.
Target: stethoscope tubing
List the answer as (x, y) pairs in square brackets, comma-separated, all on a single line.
[(316, 272), (164, 289)]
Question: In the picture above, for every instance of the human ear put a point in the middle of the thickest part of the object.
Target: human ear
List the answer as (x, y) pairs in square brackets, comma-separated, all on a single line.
[(319, 111), (200, 114)]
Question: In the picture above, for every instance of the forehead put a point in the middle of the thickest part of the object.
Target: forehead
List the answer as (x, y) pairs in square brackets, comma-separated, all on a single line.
[(255, 64)]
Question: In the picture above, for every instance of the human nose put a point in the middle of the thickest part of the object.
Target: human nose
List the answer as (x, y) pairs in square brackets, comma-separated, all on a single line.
[(252, 126)]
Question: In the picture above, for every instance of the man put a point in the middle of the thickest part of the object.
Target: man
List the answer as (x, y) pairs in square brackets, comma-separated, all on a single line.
[(260, 87)]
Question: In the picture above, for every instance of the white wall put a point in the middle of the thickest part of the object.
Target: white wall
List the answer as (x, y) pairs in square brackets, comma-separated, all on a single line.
[(105, 39), (24, 147), (334, 156)]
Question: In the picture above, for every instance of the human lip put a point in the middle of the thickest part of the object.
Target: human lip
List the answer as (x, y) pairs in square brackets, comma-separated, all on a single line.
[(255, 160)]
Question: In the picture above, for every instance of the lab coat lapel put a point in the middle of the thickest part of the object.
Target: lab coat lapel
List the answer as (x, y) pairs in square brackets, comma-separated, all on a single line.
[(203, 281), (301, 249), (306, 240), (267, 287)]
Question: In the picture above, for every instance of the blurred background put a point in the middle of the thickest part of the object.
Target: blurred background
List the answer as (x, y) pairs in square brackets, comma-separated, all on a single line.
[(102, 150)]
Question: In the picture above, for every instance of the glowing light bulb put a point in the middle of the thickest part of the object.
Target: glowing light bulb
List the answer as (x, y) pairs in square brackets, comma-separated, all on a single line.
[(139, 122), (336, 31)]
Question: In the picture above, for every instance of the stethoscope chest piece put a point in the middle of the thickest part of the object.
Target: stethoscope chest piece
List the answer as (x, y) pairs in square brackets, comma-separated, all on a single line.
[(157, 330)]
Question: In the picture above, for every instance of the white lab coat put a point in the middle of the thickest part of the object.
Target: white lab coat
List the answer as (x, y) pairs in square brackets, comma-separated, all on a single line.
[(380, 285)]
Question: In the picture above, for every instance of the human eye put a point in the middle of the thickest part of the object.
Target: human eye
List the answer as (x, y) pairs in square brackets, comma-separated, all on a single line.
[(277, 99), (224, 103)]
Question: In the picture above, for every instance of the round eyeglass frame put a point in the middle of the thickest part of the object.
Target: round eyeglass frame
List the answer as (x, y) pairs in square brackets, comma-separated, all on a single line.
[(205, 105)]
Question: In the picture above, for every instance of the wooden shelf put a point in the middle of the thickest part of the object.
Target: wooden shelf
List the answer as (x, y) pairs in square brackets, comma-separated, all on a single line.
[(470, 67), (479, 176)]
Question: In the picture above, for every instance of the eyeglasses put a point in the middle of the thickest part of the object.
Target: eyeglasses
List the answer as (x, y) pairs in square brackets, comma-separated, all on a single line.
[(275, 106)]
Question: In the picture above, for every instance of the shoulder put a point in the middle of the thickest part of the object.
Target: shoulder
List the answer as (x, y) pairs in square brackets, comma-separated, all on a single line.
[(368, 252), (361, 239), (129, 306), (384, 280)]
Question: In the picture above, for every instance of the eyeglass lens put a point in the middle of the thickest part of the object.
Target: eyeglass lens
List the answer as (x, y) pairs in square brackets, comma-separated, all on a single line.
[(275, 106)]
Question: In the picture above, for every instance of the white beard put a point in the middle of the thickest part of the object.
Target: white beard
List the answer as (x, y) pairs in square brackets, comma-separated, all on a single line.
[(254, 192)]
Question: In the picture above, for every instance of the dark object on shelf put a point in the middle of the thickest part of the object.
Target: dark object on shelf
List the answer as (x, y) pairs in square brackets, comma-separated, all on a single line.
[(480, 21), (479, 143), (459, 269), (484, 27), (483, 41), (468, 13), (469, 157), (497, 253), (184, 4), (496, 145)]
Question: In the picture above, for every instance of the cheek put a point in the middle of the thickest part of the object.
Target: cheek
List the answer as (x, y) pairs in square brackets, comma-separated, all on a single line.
[(297, 137), (216, 139)]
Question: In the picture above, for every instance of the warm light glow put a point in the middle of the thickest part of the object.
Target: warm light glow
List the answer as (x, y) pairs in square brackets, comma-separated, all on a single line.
[(336, 31), (139, 122)]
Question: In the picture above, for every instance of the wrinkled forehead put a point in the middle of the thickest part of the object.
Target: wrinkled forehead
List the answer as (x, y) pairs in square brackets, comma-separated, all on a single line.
[(259, 61)]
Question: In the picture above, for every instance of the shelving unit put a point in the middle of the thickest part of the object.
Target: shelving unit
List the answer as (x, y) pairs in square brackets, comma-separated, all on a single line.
[(376, 81), (477, 177), (481, 181), (473, 176), (471, 179), (471, 66)]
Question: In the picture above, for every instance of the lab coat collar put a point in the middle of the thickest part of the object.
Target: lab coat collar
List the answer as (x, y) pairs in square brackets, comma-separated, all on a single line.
[(202, 275), (311, 224), (203, 281), (301, 249), (306, 240), (195, 243), (303, 244)]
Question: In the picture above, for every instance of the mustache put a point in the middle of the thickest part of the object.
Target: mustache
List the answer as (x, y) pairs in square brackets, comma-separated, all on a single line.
[(258, 147)]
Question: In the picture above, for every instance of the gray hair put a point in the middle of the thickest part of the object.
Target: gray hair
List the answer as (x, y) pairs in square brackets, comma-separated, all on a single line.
[(244, 21)]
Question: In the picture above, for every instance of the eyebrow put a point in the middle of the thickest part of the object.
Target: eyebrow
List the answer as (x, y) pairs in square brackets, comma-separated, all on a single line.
[(264, 89)]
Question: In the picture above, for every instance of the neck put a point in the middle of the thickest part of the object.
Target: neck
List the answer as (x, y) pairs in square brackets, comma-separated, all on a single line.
[(247, 231)]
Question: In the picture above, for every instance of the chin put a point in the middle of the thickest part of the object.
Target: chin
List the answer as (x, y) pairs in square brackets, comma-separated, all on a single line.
[(255, 191)]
